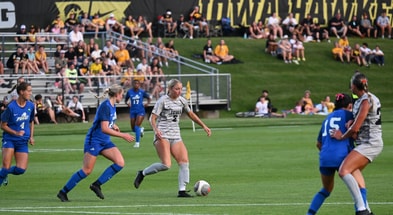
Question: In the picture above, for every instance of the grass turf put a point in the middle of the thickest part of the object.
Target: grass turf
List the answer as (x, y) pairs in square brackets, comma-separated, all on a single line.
[(255, 166)]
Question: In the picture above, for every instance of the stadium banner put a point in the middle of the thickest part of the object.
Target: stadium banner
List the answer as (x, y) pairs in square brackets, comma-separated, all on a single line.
[(14, 13)]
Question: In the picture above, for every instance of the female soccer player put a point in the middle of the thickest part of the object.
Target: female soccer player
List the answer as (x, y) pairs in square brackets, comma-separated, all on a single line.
[(17, 123), (165, 123), (137, 109), (98, 142), (367, 131), (332, 151)]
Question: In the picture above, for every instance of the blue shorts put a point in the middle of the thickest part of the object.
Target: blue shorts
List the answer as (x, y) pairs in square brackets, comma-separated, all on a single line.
[(328, 171), (18, 146), (96, 148), (134, 115)]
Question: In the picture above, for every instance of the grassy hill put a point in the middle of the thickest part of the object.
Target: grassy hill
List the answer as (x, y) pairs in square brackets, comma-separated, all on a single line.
[(287, 82)]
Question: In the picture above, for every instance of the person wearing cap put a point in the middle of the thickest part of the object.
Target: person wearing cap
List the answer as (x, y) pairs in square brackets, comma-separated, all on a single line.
[(113, 25), (198, 20), (169, 22), (21, 36), (186, 27)]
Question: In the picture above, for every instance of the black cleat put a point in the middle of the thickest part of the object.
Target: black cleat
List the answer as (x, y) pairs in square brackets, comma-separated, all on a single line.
[(62, 196), (5, 181), (138, 179), (97, 190), (183, 194), (363, 212)]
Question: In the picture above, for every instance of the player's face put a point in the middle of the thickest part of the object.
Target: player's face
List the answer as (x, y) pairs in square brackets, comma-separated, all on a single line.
[(137, 84), (176, 90), (26, 94)]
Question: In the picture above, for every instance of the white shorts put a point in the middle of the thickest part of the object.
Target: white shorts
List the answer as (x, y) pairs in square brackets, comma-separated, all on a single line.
[(369, 151)]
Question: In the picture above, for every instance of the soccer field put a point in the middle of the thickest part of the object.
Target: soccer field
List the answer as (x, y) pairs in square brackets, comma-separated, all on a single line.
[(254, 166)]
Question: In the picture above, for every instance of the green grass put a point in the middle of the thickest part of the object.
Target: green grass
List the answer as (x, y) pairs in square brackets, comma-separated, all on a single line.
[(287, 83), (254, 166)]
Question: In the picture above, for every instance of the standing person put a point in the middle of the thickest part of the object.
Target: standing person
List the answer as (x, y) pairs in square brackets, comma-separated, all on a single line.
[(17, 123), (331, 151), (167, 140), (367, 131), (137, 109), (98, 142)]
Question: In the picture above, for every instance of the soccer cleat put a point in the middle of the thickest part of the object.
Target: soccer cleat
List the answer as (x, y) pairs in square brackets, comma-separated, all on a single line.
[(183, 194), (62, 196), (136, 145), (138, 179), (97, 190), (5, 181), (142, 131), (363, 212)]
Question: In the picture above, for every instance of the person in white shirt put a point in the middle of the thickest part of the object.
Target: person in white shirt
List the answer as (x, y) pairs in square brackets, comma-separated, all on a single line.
[(113, 25), (365, 54), (75, 35), (262, 109), (378, 56), (145, 68), (290, 22), (383, 24), (76, 106), (109, 47), (273, 23)]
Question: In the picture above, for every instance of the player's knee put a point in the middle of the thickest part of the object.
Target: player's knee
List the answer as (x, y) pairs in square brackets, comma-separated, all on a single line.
[(19, 171)]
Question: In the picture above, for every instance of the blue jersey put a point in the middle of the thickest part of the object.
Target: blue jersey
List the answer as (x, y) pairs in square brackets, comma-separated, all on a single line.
[(18, 118), (105, 112), (136, 99), (334, 151)]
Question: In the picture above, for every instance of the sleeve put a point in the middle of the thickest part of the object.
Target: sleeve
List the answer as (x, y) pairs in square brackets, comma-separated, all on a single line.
[(186, 107), (5, 116), (105, 113), (158, 106)]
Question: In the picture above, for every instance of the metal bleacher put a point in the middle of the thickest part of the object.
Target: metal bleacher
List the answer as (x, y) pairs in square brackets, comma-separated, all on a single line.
[(209, 88)]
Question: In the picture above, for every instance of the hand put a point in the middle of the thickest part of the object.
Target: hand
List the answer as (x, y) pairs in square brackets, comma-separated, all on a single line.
[(336, 134), (128, 137), (158, 134), (208, 131), (116, 128), (20, 133), (32, 141)]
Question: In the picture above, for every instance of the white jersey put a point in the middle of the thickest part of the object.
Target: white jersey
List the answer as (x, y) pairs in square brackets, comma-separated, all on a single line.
[(371, 131), (169, 112)]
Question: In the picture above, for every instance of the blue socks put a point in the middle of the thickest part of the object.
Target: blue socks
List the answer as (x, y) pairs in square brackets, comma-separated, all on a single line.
[(317, 201), (109, 173), (14, 170), (3, 174), (137, 130), (73, 181)]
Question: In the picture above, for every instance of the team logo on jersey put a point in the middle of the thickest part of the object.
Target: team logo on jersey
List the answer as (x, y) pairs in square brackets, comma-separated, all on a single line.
[(23, 117)]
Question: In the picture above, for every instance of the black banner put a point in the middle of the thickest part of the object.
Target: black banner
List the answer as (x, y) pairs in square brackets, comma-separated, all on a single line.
[(41, 13)]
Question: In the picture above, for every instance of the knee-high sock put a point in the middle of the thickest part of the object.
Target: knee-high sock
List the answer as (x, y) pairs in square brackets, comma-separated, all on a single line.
[(184, 176), (3, 174), (14, 170), (154, 168), (109, 173), (317, 201), (73, 181), (137, 130), (363, 191), (353, 188)]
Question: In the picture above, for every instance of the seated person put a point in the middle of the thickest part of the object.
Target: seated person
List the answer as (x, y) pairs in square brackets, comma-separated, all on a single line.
[(43, 110), (355, 54), (320, 33), (262, 109), (271, 45), (208, 54), (168, 21), (184, 26), (98, 21), (222, 52), (71, 21), (285, 49), (344, 43), (76, 106), (143, 25), (354, 27), (338, 52), (337, 26), (15, 61), (41, 59), (365, 54), (383, 24), (112, 24), (325, 107), (366, 27), (123, 56), (273, 23), (88, 25), (61, 108), (170, 49), (289, 23), (308, 105), (255, 32), (197, 19), (378, 56)]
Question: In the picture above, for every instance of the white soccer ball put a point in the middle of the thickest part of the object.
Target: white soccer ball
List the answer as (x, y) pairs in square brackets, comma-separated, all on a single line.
[(202, 188)]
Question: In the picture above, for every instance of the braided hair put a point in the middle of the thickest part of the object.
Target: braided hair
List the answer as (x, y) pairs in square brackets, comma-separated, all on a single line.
[(111, 91)]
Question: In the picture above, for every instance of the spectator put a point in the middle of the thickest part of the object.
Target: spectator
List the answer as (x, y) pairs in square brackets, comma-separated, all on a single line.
[(126, 79), (354, 27), (84, 73), (88, 25), (71, 75), (298, 49), (208, 54), (22, 37), (33, 37), (145, 69), (98, 21), (168, 21), (255, 32), (222, 52), (197, 19), (171, 52), (355, 54), (344, 43), (337, 26), (43, 110), (130, 25), (289, 23), (285, 49), (80, 51), (60, 66), (61, 108), (271, 45), (320, 33), (96, 52), (262, 109), (15, 61), (184, 26), (63, 37), (109, 47), (123, 57), (59, 22), (365, 54), (71, 55), (378, 56), (308, 25), (308, 105), (112, 24), (76, 106), (144, 25), (383, 24), (96, 70), (55, 30), (366, 27), (338, 52), (273, 23), (31, 61), (265, 93), (75, 35), (71, 22), (157, 76), (325, 107), (112, 62), (41, 59)]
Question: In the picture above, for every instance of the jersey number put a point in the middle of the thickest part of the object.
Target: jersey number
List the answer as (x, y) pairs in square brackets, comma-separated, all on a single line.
[(333, 124)]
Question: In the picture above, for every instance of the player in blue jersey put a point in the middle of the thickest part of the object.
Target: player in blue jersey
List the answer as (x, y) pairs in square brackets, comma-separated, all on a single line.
[(17, 123), (332, 151), (137, 109), (97, 142), (367, 132)]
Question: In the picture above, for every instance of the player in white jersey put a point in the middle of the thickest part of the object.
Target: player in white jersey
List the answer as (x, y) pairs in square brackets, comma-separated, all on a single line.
[(167, 140), (366, 130)]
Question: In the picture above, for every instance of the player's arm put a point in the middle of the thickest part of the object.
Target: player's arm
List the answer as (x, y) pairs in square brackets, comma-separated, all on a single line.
[(153, 123), (115, 131), (197, 120)]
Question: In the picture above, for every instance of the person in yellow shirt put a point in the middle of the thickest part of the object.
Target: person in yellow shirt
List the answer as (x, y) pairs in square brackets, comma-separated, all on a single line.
[(58, 21), (96, 70), (344, 43), (98, 21), (126, 79), (123, 57), (222, 51), (40, 57), (338, 52)]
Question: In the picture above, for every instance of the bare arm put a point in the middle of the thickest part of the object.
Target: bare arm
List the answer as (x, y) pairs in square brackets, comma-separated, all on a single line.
[(196, 119)]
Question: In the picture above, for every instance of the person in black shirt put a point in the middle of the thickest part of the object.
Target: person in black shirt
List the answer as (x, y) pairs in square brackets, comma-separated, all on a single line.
[(208, 53), (15, 61)]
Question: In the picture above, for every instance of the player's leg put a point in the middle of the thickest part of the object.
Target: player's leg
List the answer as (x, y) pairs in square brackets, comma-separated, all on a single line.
[(7, 154), (362, 185), (137, 129), (327, 177), (179, 152)]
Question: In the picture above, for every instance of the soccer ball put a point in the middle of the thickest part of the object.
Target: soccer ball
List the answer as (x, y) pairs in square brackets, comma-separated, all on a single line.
[(202, 188)]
